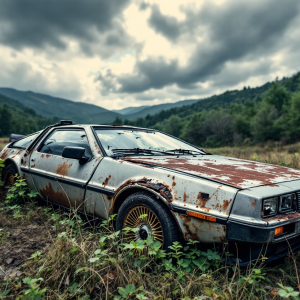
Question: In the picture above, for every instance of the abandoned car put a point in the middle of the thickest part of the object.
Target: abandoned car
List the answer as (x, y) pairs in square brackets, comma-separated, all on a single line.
[(184, 192)]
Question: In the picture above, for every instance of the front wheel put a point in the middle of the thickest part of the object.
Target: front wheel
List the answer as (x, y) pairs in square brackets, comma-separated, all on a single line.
[(152, 217), (9, 178)]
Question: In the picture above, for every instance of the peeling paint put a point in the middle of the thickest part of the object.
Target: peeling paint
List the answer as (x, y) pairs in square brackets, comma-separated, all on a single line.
[(162, 189), (48, 193), (235, 172), (105, 182), (226, 204), (63, 169)]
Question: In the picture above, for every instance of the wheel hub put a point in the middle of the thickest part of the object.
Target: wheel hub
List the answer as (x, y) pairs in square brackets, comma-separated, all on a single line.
[(146, 222), (144, 232)]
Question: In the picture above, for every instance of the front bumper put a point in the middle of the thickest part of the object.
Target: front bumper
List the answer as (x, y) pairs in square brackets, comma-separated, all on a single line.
[(249, 243)]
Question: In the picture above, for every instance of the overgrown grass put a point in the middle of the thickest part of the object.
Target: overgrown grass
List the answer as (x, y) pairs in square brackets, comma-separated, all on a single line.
[(273, 153), (53, 254)]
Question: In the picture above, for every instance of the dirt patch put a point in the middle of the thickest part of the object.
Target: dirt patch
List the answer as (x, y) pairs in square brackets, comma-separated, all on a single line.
[(19, 242)]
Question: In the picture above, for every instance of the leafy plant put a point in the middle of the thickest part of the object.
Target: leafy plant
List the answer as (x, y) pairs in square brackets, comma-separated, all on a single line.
[(254, 278), (287, 292), (33, 292), (19, 192), (128, 291)]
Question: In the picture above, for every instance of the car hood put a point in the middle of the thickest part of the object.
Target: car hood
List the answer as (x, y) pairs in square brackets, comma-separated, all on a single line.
[(238, 173)]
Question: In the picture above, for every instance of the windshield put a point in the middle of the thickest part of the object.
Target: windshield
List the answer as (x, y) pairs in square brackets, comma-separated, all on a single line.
[(112, 139), (24, 142)]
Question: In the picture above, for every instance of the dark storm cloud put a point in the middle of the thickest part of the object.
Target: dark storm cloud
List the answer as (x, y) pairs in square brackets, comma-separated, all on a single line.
[(166, 25), (40, 23), (228, 33)]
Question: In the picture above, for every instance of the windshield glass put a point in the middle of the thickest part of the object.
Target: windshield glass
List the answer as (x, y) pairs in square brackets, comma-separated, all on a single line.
[(23, 143), (130, 139)]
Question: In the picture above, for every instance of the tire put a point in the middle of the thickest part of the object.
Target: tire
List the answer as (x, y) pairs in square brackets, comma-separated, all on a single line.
[(8, 177), (159, 222)]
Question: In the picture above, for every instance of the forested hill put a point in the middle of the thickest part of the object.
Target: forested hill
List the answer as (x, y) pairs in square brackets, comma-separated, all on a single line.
[(16, 118), (251, 115), (49, 107)]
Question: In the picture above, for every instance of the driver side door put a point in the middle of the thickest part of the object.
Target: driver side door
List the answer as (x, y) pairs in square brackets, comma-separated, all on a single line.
[(59, 179)]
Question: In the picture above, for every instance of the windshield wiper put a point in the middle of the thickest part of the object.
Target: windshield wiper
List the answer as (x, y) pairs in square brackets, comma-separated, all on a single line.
[(186, 151), (121, 152)]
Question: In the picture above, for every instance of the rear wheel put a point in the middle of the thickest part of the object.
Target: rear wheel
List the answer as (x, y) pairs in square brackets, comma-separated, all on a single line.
[(9, 178), (152, 217)]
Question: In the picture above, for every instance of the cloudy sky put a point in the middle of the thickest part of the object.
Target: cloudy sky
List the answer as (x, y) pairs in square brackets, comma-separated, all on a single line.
[(119, 53)]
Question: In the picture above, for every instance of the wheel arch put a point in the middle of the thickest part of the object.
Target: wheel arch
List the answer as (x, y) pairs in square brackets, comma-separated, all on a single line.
[(9, 161), (126, 191)]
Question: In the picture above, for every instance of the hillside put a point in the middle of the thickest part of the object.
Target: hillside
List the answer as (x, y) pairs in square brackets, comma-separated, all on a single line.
[(16, 118), (247, 116), (130, 110), (49, 106), (79, 112), (152, 110)]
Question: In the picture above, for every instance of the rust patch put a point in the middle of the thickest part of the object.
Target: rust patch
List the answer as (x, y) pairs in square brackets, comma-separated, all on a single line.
[(162, 189), (32, 166), (42, 156), (18, 152), (202, 199), (253, 203), (105, 182), (186, 224), (48, 193), (173, 183), (4, 154), (48, 155), (63, 169), (185, 197), (235, 172), (226, 204), (288, 217)]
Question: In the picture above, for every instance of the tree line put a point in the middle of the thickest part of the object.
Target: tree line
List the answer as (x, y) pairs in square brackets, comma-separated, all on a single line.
[(21, 121), (271, 115)]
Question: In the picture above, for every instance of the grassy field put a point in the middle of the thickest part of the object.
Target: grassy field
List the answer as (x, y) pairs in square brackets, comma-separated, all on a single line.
[(3, 142), (272, 153), (46, 253), (51, 254)]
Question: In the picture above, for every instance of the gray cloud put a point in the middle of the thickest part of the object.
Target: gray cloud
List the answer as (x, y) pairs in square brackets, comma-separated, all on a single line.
[(166, 25), (39, 24), (235, 32), (23, 77)]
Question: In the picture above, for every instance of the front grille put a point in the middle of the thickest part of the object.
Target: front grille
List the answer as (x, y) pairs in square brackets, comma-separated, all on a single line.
[(298, 200)]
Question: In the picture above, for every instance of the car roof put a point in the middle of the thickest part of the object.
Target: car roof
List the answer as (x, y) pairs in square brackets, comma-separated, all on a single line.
[(103, 126)]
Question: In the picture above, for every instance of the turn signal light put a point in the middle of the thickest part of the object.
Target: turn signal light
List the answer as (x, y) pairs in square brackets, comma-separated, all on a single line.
[(201, 216), (279, 230)]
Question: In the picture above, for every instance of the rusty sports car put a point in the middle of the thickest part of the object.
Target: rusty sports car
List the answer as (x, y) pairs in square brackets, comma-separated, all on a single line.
[(185, 192)]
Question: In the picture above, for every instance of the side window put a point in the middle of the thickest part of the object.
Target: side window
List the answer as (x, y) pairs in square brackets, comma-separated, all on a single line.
[(59, 139), (23, 143)]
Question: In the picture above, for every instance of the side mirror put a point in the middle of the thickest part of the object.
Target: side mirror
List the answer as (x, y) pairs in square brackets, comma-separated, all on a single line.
[(75, 153)]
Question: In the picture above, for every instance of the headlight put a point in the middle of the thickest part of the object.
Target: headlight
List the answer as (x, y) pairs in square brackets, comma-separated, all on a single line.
[(270, 207), (286, 202)]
